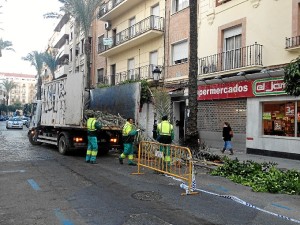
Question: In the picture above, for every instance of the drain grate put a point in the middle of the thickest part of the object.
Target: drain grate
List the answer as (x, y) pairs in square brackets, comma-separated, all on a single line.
[(146, 195)]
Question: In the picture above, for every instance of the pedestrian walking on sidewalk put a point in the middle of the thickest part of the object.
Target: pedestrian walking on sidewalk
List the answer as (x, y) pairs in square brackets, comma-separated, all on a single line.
[(128, 134), (227, 135)]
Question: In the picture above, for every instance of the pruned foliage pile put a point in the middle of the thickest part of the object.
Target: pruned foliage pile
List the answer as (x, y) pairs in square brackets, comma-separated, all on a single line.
[(261, 177)]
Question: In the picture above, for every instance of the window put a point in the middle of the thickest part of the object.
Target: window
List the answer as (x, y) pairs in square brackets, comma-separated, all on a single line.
[(179, 52), (77, 50), (71, 54), (100, 75), (155, 23), (179, 5), (101, 46), (281, 118), (232, 48), (153, 58), (131, 27), (130, 72), (82, 46)]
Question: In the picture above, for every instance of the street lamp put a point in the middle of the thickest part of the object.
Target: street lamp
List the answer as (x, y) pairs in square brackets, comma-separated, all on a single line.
[(156, 75)]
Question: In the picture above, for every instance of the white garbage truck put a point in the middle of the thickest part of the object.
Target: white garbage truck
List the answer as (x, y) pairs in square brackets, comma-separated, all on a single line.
[(58, 118)]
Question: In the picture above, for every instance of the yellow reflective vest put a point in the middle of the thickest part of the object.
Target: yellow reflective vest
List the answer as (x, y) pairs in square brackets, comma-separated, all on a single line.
[(91, 124), (165, 128), (128, 127)]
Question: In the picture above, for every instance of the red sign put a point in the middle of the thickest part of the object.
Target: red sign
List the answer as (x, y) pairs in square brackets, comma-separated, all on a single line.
[(240, 89)]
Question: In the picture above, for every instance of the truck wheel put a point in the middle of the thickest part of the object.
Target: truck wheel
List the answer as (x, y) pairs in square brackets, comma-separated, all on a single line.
[(32, 141), (63, 145)]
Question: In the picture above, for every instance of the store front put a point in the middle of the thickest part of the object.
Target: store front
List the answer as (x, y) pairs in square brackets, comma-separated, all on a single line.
[(272, 118)]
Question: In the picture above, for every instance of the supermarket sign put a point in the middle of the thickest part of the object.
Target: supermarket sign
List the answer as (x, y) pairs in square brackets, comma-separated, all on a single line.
[(242, 89)]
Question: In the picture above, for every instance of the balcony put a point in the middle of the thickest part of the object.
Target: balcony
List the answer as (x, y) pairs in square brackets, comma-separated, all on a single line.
[(137, 74), (61, 38), (141, 32), (244, 58), (292, 43), (62, 70), (115, 8), (63, 54)]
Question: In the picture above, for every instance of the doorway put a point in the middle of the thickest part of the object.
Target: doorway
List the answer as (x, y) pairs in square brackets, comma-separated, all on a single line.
[(179, 121)]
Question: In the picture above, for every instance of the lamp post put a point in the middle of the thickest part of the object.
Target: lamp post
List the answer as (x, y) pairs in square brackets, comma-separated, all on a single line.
[(156, 75)]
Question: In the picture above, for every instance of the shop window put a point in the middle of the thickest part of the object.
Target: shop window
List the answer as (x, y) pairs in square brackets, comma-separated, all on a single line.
[(281, 118)]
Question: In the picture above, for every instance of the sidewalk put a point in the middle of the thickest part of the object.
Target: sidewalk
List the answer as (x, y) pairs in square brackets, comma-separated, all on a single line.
[(285, 207), (282, 163)]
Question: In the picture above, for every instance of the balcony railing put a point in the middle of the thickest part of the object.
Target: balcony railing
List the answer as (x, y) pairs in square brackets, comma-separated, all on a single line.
[(136, 74), (292, 42), (150, 23), (248, 56), (110, 5)]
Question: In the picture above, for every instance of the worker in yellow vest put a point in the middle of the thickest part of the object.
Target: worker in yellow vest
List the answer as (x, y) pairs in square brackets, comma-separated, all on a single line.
[(92, 150), (128, 134), (165, 135)]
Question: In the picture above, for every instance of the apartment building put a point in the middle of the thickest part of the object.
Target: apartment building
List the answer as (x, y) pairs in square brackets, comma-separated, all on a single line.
[(176, 61), (59, 42), (25, 90), (243, 47), (131, 44)]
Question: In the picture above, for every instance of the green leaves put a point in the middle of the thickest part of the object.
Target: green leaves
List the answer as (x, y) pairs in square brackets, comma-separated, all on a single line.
[(261, 177), (292, 77)]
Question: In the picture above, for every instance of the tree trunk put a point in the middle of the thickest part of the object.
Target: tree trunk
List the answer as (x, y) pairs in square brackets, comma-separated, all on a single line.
[(192, 135), (87, 49), (39, 88)]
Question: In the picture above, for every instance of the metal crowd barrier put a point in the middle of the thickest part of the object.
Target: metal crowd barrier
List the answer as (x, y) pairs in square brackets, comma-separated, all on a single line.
[(167, 159)]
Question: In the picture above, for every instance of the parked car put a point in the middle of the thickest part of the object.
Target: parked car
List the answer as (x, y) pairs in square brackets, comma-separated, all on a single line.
[(2, 118), (14, 122), (25, 120)]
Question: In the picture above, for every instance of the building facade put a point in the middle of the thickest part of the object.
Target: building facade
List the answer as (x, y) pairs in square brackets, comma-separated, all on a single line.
[(130, 45), (243, 48), (25, 90)]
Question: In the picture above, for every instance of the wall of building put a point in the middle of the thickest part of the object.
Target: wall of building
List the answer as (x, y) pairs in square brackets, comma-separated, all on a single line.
[(25, 92), (267, 23), (177, 29), (98, 62)]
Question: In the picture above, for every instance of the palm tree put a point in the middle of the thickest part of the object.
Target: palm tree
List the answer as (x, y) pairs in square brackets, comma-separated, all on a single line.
[(36, 60), (5, 45), (192, 135), (51, 59), (83, 12), (8, 86)]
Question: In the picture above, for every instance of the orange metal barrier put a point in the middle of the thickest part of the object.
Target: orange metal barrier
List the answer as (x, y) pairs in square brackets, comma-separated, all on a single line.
[(173, 160)]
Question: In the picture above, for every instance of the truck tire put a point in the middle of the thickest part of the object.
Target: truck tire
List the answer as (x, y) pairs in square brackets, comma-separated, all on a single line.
[(63, 144), (32, 141)]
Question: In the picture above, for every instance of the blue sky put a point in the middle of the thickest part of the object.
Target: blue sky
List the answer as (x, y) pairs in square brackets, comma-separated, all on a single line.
[(23, 24)]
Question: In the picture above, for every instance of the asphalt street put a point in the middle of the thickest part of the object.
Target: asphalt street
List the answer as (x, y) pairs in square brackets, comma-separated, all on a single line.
[(40, 186)]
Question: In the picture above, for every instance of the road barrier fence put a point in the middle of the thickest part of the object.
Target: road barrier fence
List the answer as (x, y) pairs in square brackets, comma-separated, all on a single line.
[(173, 160)]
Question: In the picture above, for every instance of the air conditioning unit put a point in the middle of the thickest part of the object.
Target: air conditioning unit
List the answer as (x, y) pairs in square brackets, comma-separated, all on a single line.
[(107, 25)]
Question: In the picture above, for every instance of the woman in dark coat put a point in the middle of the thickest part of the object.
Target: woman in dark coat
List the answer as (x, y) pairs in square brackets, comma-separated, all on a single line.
[(227, 135)]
